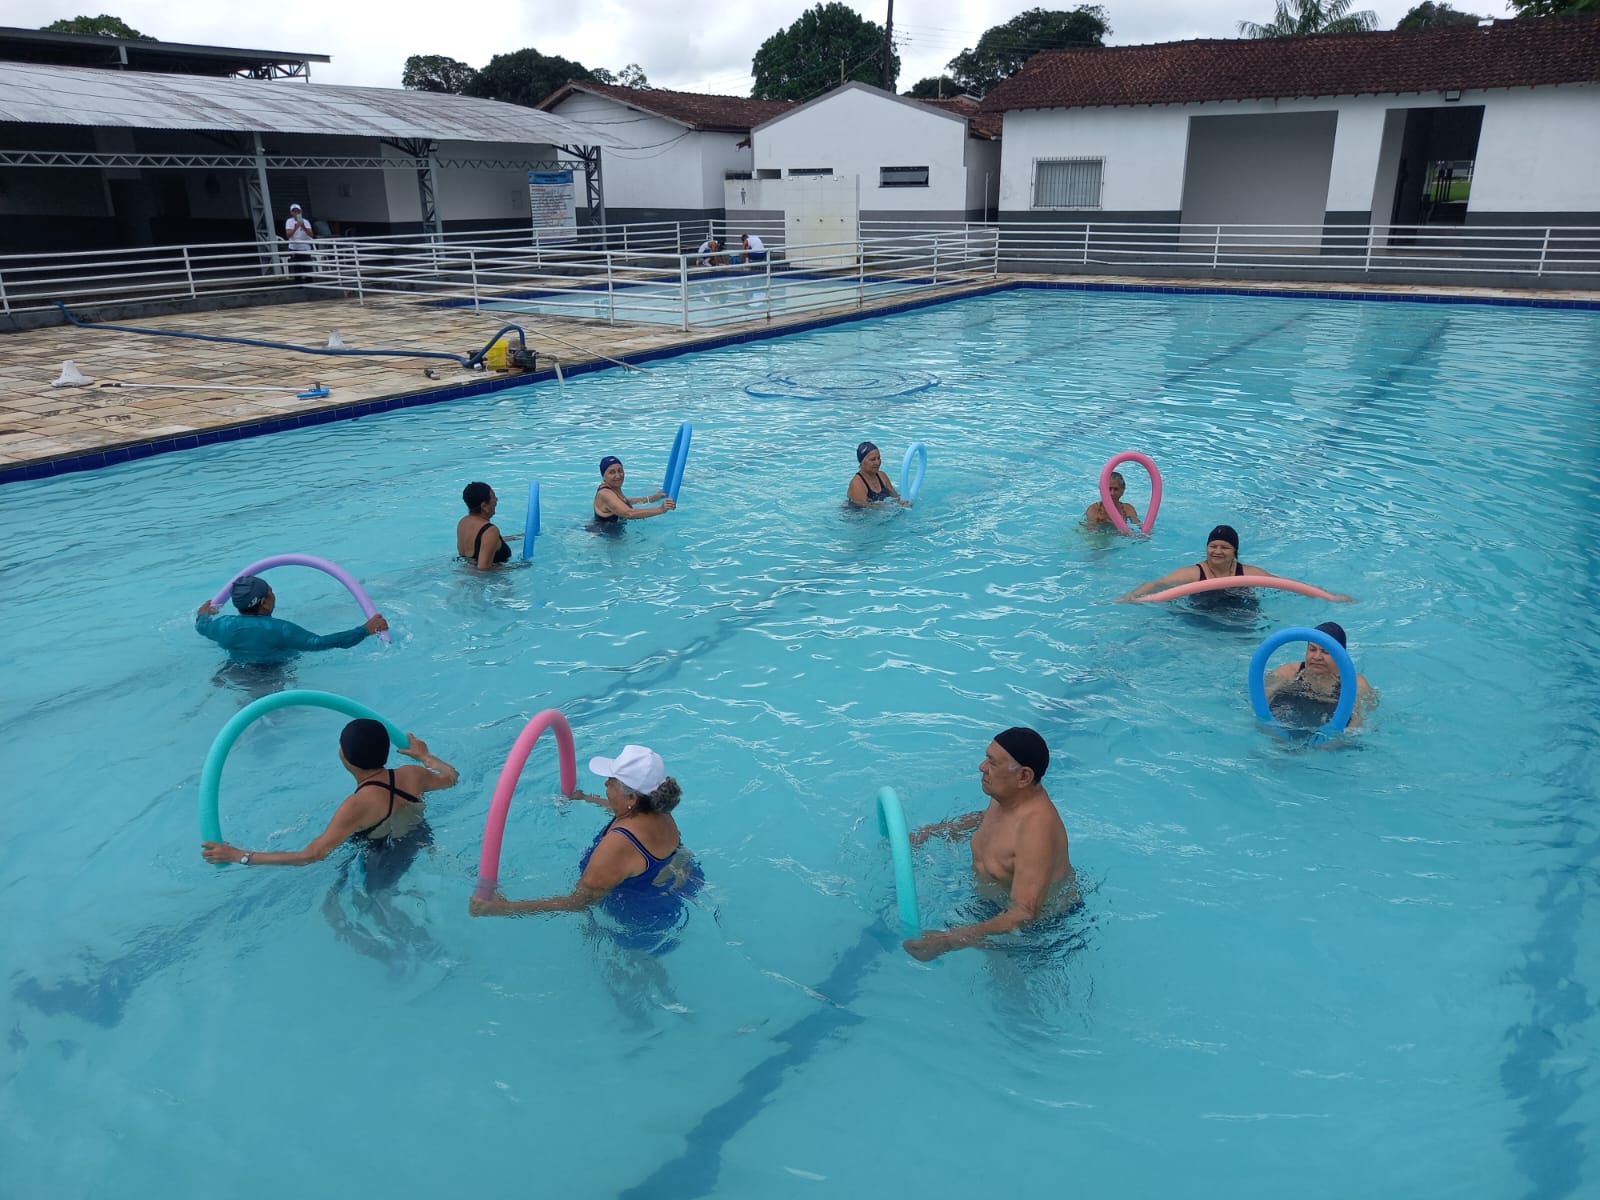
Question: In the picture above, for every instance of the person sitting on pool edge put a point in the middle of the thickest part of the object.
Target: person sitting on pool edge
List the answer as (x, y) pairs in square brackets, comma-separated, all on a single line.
[(1095, 515), (1221, 562), (1303, 695), (637, 869), (869, 485), (478, 539), (612, 507), (1019, 845), (256, 636), (383, 813)]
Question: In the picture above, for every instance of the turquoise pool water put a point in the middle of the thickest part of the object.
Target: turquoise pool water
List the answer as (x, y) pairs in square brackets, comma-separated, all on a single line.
[(1362, 971)]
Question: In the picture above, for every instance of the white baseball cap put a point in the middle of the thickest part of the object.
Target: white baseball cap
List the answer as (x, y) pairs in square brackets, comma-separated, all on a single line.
[(637, 767), (294, 208)]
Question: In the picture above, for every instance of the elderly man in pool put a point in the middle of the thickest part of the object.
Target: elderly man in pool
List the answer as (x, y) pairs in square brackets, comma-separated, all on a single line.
[(256, 636), (1019, 845)]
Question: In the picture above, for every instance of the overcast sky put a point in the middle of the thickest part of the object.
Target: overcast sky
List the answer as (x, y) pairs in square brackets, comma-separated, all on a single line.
[(370, 41)]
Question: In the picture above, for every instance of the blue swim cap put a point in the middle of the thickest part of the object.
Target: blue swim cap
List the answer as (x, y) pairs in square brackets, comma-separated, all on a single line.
[(606, 462), (248, 591), (864, 449)]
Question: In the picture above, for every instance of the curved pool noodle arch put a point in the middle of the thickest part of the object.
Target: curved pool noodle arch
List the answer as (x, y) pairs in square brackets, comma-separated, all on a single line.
[(306, 560), (1236, 581), (494, 826), (1113, 513), (1347, 680), (677, 460), (910, 490), (892, 825), (211, 773)]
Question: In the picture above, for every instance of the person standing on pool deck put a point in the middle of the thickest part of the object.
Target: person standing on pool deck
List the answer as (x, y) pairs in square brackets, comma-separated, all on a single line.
[(1306, 693), (1221, 562), (870, 485), (256, 636), (384, 813), (611, 506), (1095, 515), (478, 539), (1019, 844)]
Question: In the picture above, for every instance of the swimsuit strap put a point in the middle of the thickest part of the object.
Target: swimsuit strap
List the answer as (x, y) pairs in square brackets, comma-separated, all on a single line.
[(393, 792), (477, 542), (652, 863)]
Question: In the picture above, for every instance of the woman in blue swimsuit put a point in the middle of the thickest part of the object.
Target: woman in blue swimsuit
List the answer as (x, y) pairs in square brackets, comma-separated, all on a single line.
[(637, 871), (870, 485)]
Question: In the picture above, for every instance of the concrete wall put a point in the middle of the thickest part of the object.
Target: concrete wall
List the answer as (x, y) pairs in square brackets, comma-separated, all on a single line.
[(1537, 153), (1262, 169), (858, 131)]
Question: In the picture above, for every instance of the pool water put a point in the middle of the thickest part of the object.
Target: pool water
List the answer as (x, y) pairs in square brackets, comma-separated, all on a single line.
[(1364, 970)]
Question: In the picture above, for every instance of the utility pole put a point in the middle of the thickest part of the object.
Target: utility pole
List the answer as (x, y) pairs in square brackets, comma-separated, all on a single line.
[(888, 49)]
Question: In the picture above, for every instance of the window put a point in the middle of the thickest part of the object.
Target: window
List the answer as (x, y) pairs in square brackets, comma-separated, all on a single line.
[(797, 171), (1067, 182), (902, 177)]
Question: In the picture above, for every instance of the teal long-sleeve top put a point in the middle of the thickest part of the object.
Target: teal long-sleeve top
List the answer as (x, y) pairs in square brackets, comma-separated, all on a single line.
[(268, 639)]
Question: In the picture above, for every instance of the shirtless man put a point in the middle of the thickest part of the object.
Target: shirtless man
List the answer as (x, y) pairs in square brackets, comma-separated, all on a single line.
[(1019, 845), (1095, 515)]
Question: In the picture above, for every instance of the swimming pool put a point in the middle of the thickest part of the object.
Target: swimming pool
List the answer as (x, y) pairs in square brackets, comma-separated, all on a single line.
[(1342, 973)]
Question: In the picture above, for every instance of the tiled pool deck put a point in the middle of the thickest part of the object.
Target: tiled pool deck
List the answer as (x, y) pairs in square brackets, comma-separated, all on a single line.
[(46, 430)]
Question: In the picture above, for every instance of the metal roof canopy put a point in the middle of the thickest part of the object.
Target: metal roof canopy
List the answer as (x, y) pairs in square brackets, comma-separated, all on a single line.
[(37, 94), (142, 54)]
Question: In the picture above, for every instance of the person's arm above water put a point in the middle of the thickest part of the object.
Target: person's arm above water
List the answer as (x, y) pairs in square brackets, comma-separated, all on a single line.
[(616, 506), (657, 495), (949, 830), (295, 638), (1278, 678), (436, 773), (351, 816), (1187, 574), (205, 620), (613, 860), (1030, 889)]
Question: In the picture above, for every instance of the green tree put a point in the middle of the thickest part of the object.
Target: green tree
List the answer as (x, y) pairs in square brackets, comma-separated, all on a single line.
[(935, 88), (1429, 15), (1553, 8), (631, 76), (827, 45), (1296, 18), (105, 25), (1003, 49), (525, 77), (436, 73)]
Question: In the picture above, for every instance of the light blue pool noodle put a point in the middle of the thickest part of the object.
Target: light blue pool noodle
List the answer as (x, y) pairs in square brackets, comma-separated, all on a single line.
[(211, 773), (677, 460), (531, 529), (1347, 680), (911, 490), (892, 824)]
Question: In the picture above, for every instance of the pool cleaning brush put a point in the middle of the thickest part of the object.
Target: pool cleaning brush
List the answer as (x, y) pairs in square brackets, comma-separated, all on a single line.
[(72, 377), (315, 391)]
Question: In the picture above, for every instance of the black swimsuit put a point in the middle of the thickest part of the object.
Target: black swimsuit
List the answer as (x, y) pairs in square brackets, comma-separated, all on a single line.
[(873, 496), (393, 792), (503, 554), (1297, 707), (605, 520), (1224, 599)]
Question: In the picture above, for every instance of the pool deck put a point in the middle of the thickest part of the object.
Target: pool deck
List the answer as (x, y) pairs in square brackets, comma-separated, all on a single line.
[(41, 424)]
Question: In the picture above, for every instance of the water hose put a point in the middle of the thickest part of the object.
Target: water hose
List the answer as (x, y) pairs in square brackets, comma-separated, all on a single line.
[(466, 361)]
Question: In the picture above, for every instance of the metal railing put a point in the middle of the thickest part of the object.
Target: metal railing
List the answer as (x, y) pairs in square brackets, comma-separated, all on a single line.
[(651, 272)]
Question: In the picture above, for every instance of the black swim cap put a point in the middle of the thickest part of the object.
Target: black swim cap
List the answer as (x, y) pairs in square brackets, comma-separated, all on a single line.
[(864, 449), (1334, 630), (1027, 747), (365, 743), (605, 463), (248, 591), (1224, 533)]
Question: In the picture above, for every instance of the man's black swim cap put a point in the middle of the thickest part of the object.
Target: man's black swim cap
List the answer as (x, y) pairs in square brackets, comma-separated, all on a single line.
[(248, 591), (1027, 747), (365, 743)]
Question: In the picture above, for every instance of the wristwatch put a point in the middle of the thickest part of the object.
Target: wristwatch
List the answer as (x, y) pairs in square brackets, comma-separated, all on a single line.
[(244, 859)]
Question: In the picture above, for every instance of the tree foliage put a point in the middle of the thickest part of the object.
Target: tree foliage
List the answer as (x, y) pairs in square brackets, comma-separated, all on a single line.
[(1552, 8), (631, 76), (935, 87), (105, 25), (1296, 18), (828, 44), (1429, 15), (436, 73), (1003, 49), (525, 77)]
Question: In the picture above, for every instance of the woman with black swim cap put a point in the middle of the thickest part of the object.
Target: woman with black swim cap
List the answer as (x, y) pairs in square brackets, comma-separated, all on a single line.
[(1221, 562)]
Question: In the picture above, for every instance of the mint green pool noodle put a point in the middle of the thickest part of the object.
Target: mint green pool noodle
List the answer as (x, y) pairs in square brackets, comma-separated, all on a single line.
[(892, 824), (211, 773)]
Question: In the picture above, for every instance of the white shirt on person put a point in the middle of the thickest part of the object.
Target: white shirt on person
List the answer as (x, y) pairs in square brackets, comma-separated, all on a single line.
[(298, 230)]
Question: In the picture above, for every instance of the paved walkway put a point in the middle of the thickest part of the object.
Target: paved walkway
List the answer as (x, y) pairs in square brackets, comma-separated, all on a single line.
[(39, 422)]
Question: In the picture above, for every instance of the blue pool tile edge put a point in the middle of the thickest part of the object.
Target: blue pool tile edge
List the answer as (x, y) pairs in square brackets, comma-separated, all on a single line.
[(94, 460)]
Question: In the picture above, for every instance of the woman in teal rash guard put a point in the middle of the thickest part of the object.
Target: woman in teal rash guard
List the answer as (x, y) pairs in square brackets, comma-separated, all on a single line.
[(256, 636)]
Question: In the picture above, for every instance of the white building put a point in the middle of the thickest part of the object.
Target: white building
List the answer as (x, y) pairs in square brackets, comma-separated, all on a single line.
[(679, 147), (1494, 125), (910, 160)]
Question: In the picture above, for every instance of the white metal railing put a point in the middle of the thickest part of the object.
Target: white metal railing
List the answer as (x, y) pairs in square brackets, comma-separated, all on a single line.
[(651, 272)]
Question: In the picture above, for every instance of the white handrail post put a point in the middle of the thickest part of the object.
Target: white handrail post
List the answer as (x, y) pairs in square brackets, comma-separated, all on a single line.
[(1086, 228), (1372, 235), (936, 260), (472, 266), (861, 274), (683, 287), (355, 264), (611, 289), (1544, 250), (188, 272), (1216, 248), (768, 265)]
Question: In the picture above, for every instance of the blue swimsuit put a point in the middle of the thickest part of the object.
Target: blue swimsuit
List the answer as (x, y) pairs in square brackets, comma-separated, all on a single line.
[(650, 905)]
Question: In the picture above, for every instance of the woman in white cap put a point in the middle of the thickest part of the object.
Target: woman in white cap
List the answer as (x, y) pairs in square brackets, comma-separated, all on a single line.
[(637, 871)]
